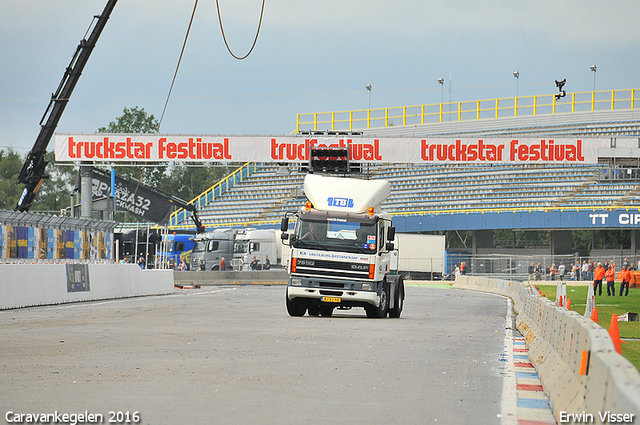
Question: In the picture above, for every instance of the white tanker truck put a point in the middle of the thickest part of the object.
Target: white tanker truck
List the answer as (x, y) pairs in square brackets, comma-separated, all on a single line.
[(341, 250)]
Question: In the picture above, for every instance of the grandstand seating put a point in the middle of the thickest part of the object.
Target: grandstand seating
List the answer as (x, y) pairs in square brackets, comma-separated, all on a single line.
[(266, 195)]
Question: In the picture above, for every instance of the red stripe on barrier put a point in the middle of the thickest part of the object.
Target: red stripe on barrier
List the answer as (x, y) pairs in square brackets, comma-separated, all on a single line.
[(529, 387), (521, 350), (523, 365)]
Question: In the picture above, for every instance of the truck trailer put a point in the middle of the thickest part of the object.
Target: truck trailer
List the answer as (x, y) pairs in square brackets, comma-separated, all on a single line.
[(421, 256), (342, 249)]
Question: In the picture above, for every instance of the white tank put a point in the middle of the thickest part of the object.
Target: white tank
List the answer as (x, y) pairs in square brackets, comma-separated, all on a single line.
[(340, 194)]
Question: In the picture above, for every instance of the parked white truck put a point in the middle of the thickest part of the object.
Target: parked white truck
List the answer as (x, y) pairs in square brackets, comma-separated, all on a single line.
[(341, 250), (259, 243)]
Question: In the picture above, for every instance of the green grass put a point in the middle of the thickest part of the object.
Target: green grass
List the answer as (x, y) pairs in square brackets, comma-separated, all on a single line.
[(607, 306)]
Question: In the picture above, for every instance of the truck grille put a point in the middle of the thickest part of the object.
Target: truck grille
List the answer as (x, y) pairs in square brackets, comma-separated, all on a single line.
[(324, 268)]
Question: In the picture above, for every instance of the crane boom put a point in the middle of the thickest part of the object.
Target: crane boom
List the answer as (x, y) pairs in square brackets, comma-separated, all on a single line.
[(33, 170)]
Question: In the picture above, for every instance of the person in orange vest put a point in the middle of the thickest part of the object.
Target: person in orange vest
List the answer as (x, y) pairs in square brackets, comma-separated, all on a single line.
[(610, 275), (625, 276), (597, 278)]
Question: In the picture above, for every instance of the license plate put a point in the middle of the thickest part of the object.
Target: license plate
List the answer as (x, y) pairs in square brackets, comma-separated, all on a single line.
[(331, 299)]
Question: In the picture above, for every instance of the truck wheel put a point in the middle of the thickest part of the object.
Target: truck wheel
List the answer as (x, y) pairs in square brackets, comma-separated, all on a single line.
[(314, 309), (326, 310), (399, 301), (295, 307), (380, 311)]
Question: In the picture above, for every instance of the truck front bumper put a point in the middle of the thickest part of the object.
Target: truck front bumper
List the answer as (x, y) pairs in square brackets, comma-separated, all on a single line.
[(339, 296)]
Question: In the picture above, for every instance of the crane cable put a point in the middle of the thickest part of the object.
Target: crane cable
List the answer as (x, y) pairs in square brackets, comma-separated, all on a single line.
[(224, 37), (178, 65)]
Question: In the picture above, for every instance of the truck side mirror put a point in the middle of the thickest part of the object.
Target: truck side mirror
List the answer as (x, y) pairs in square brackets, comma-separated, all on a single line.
[(391, 234), (284, 224), (389, 246), (284, 236)]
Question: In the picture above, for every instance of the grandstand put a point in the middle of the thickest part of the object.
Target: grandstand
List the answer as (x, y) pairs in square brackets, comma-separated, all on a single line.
[(266, 194), (482, 194)]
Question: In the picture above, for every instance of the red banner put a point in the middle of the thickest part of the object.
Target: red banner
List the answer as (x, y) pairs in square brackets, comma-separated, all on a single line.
[(283, 149)]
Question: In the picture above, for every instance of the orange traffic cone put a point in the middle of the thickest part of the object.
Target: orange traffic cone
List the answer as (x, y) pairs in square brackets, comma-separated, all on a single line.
[(568, 303), (594, 315), (615, 333)]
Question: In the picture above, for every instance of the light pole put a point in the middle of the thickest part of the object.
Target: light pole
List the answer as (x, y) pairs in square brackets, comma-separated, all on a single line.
[(368, 87), (517, 75), (441, 81), (594, 69)]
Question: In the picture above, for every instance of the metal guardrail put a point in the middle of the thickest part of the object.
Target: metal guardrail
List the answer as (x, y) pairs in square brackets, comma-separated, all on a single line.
[(549, 104)]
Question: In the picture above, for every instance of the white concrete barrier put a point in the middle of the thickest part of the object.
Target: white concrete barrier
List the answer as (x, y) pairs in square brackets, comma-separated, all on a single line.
[(25, 285), (557, 339)]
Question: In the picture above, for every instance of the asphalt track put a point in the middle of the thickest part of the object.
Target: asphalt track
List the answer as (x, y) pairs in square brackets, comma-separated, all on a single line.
[(232, 355)]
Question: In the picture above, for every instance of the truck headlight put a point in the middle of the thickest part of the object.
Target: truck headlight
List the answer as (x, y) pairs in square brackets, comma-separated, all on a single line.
[(366, 287), (296, 281)]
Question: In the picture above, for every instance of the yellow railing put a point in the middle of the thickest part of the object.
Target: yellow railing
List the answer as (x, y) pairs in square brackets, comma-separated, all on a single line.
[(179, 217), (469, 110)]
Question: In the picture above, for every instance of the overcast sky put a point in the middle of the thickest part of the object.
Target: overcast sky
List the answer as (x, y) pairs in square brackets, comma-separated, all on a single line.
[(311, 56)]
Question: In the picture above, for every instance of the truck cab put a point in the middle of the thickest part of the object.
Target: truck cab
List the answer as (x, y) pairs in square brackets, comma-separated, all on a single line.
[(209, 249), (341, 250), (261, 244)]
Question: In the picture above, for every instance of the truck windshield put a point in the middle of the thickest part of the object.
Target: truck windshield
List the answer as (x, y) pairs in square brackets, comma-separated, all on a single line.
[(241, 247), (200, 246), (338, 235)]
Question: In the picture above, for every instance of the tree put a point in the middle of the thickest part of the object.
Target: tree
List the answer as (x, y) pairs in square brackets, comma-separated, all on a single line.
[(10, 166), (133, 120), (55, 192), (136, 120), (189, 180)]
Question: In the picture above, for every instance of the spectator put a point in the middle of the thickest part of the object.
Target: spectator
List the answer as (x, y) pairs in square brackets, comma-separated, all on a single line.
[(222, 265), (591, 267), (538, 271), (625, 276), (610, 275), (576, 270), (463, 268), (267, 263), (597, 278), (141, 263), (584, 271), (561, 270), (172, 263), (254, 264), (182, 266), (531, 270), (456, 270), (573, 272)]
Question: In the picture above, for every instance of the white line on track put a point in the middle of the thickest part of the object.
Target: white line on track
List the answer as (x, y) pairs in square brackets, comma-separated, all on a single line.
[(509, 406), (215, 291)]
